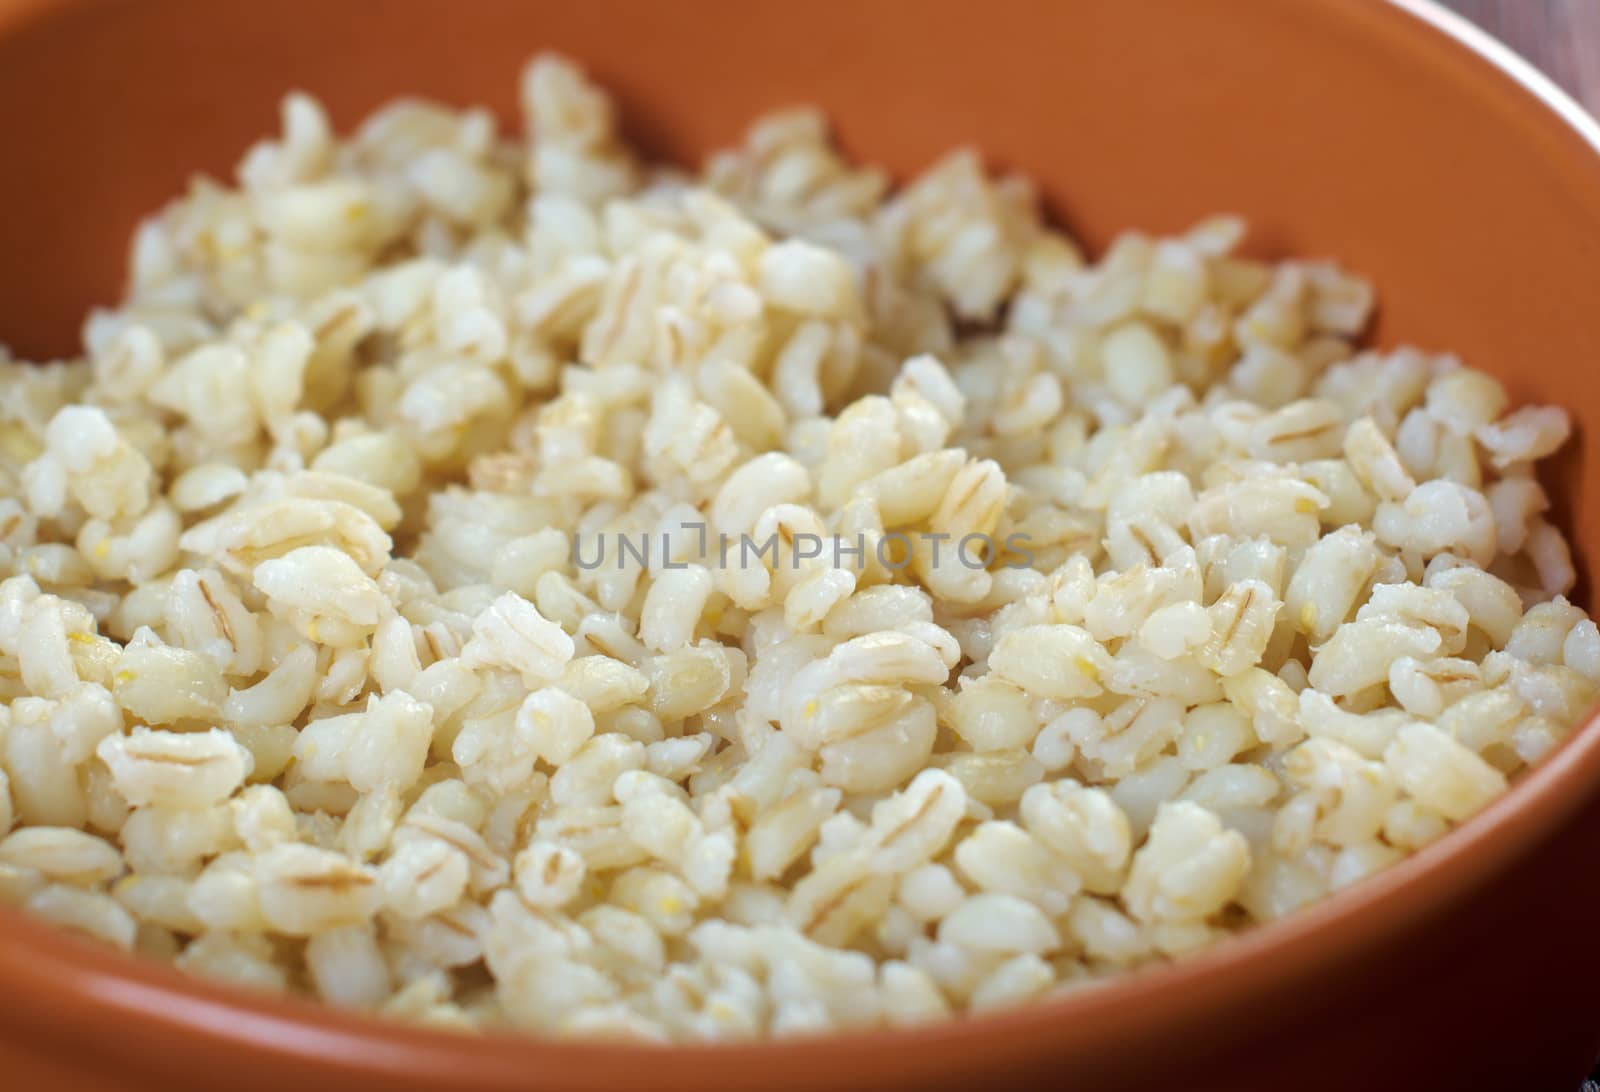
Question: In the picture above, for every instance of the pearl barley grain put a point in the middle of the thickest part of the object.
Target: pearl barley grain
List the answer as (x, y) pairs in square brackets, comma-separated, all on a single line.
[(496, 581)]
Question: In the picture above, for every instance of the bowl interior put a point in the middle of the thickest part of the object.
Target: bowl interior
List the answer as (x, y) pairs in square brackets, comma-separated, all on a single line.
[(1401, 154), (1338, 129)]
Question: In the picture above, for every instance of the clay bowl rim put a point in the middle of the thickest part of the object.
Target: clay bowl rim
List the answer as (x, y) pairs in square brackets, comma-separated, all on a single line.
[(142, 1009)]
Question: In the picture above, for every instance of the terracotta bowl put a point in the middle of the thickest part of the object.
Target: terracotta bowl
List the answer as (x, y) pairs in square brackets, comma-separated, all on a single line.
[(1388, 134)]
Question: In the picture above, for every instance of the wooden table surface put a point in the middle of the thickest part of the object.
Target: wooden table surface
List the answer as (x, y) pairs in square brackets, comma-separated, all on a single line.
[(1560, 36)]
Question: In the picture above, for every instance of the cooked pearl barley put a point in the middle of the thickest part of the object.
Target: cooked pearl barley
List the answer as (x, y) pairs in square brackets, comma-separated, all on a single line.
[(61, 854), (496, 582), (305, 890), (1136, 363), (173, 769), (1440, 773), (1188, 869), (998, 923)]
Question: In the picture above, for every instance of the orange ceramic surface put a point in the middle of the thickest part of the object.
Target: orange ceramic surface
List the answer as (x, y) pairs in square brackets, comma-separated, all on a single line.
[(1378, 132)]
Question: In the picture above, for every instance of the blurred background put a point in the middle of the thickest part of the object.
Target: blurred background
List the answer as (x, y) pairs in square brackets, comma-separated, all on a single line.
[(1560, 36)]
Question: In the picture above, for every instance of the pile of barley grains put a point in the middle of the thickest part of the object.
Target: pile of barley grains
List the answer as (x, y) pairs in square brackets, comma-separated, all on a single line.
[(305, 686)]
